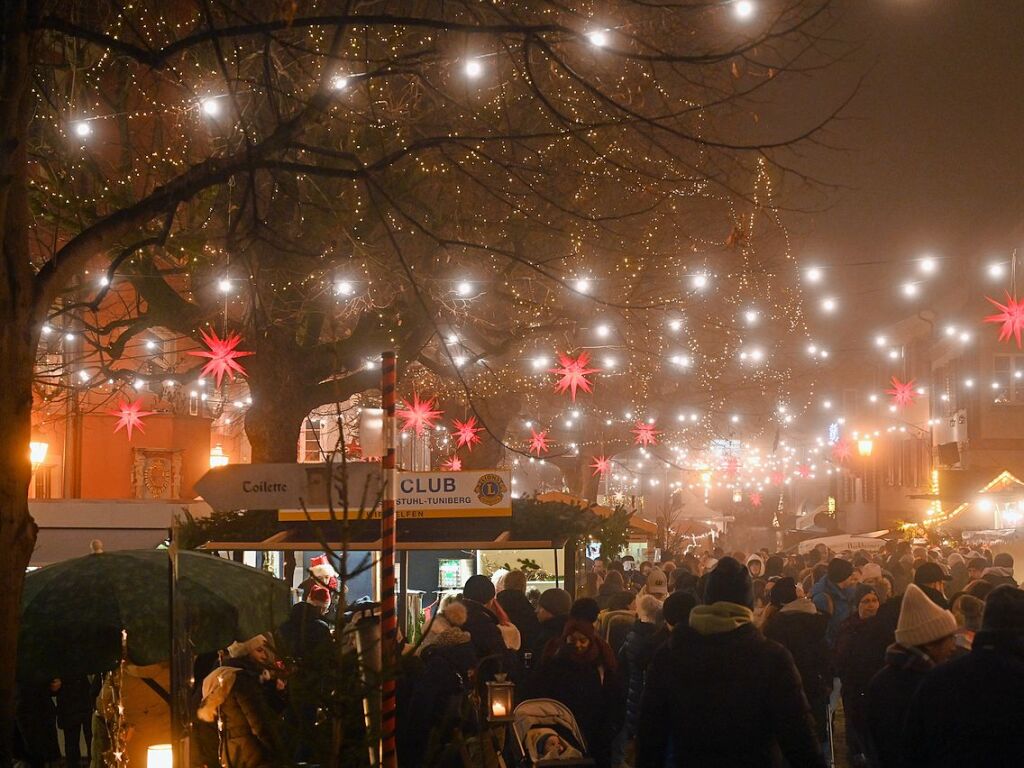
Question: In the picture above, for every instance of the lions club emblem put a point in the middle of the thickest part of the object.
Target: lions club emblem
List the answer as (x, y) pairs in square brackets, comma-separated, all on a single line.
[(490, 489)]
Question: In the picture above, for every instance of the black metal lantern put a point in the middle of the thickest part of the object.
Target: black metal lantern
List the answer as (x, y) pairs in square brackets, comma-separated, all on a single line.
[(500, 698)]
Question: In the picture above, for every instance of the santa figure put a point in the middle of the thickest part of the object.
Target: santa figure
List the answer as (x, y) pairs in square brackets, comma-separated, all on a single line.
[(322, 573)]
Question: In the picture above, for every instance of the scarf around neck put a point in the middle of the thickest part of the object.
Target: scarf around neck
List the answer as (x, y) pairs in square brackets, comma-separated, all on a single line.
[(720, 617)]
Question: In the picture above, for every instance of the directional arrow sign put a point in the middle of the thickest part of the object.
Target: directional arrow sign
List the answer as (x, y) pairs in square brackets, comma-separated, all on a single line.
[(284, 486)]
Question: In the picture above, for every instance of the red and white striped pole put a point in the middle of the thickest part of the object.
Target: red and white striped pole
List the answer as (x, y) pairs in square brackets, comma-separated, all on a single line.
[(388, 615)]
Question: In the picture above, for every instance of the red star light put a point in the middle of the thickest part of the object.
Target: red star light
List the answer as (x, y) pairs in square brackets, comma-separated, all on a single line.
[(466, 432), (902, 392), (419, 415), (1010, 316), (454, 464), (573, 374), (223, 357), (129, 417), (755, 499), (804, 470), (538, 441), (601, 465), (777, 477), (841, 451), (645, 433)]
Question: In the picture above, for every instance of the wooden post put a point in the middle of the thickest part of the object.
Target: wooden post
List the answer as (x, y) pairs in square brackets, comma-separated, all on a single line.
[(388, 615)]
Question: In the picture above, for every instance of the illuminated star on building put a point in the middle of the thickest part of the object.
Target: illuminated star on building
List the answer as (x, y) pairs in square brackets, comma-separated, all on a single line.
[(467, 432), (129, 417), (454, 464), (419, 415), (223, 357), (645, 434), (601, 465), (902, 392), (1010, 316), (572, 373), (538, 441)]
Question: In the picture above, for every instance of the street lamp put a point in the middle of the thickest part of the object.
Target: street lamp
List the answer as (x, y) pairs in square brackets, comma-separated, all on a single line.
[(217, 457), (865, 446), (37, 453)]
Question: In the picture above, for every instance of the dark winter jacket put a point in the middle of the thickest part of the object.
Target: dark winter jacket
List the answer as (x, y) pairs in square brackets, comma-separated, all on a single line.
[(857, 662), (888, 701), (727, 699), (482, 626), (936, 597), (432, 702), (75, 701), (251, 738), (968, 713), (521, 613), (634, 657), (800, 629), (592, 692), (834, 602), (547, 630), (304, 634)]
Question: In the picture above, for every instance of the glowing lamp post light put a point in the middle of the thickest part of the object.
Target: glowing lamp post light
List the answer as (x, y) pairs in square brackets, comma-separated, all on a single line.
[(159, 756), (37, 453), (865, 446), (217, 457), (499, 699)]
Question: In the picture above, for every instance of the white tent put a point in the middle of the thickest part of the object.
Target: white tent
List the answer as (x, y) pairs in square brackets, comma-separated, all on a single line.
[(871, 542)]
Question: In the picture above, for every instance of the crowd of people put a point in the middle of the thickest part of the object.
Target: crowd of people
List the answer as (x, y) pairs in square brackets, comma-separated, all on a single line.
[(709, 659), (730, 659)]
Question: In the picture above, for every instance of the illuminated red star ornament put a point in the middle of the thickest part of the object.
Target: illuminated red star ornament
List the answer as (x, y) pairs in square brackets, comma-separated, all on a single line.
[(572, 373), (755, 499), (538, 441), (223, 355), (903, 393), (419, 415), (601, 466), (777, 477), (1010, 317), (841, 451), (804, 470), (454, 464), (645, 434), (129, 417), (732, 466), (467, 432)]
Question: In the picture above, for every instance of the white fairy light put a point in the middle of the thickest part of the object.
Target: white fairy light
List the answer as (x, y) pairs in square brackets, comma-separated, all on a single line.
[(743, 9), (582, 285), (881, 341), (928, 265), (602, 331), (910, 289), (996, 270), (829, 304), (474, 69), (344, 288), (598, 38), (211, 106), (82, 129), (813, 275), (339, 82), (224, 285), (699, 281), (464, 288)]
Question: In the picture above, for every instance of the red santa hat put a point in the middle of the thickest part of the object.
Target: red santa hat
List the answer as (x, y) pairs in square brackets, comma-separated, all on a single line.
[(320, 566)]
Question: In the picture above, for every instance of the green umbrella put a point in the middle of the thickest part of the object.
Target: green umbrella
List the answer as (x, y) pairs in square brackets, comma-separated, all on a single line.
[(72, 612)]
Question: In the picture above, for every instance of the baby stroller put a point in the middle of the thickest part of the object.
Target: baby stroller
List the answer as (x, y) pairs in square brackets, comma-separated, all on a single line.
[(547, 735)]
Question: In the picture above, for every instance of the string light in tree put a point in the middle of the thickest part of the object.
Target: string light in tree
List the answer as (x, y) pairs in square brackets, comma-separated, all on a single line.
[(538, 441), (129, 417), (223, 356), (467, 433), (418, 415), (645, 434), (572, 373), (1010, 317), (903, 393)]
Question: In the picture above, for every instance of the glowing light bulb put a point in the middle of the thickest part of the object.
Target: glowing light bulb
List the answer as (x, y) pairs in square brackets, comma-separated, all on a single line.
[(602, 331), (339, 82), (539, 363), (224, 285), (211, 106), (751, 316), (813, 275), (829, 304), (826, 404), (880, 341), (610, 362), (928, 265), (459, 360), (82, 129), (474, 69), (464, 288), (582, 285), (894, 354), (598, 38), (675, 325), (996, 270), (699, 281), (743, 9), (910, 289)]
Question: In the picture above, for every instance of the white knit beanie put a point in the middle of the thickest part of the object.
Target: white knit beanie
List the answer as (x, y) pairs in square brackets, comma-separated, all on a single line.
[(921, 620)]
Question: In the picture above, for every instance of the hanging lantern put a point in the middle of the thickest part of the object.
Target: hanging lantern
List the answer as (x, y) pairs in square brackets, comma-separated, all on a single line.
[(500, 695), (159, 756)]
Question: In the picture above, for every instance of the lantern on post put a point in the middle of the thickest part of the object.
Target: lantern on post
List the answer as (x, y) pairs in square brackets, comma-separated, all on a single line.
[(37, 453), (865, 446), (500, 695)]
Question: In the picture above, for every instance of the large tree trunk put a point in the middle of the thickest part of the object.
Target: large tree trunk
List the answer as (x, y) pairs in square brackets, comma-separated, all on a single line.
[(20, 319)]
